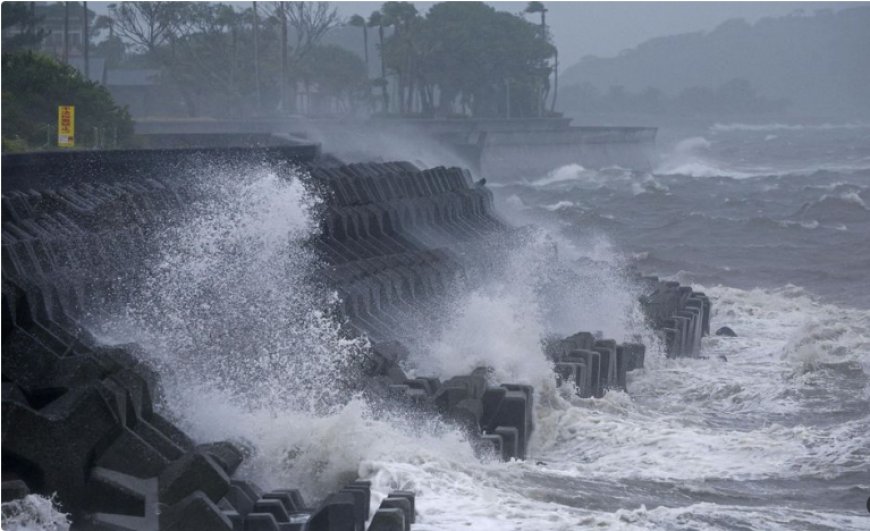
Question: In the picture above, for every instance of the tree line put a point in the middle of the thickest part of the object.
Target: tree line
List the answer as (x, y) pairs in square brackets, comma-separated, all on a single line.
[(458, 58), (734, 97), (263, 58), (463, 58), (242, 62)]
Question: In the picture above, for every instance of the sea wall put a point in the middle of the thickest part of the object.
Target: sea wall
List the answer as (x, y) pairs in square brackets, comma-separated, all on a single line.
[(79, 417), (498, 148), (25, 172)]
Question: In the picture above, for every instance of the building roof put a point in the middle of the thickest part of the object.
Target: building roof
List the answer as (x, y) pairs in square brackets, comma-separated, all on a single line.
[(132, 77), (96, 67)]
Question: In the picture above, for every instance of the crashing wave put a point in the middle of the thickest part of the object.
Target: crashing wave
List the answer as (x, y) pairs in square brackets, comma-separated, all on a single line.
[(719, 127)]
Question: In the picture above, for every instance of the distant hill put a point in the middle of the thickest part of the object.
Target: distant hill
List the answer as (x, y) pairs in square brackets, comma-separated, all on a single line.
[(819, 63)]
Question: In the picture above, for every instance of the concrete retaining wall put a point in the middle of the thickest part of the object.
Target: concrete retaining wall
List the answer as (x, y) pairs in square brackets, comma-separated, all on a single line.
[(498, 149)]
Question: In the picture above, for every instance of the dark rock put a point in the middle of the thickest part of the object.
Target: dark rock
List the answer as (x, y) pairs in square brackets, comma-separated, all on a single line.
[(726, 332), (261, 522), (411, 497), (336, 513), (14, 490), (225, 453), (402, 504), (361, 499), (50, 449), (194, 513), (388, 519), (274, 507), (112, 496), (195, 471)]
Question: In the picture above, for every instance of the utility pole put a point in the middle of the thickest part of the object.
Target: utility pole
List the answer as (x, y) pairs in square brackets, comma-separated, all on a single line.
[(31, 23), (257, 58), (366, 46), (555, 83), (507, 90), (86, 40), (284, 107), (383, 71), (66, 33)]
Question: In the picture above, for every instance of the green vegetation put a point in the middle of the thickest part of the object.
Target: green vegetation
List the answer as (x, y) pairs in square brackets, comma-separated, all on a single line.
[(228, 62), (466, 58), (267, 59), (459, 58), (19, 16), (335, 72), (33, 87)]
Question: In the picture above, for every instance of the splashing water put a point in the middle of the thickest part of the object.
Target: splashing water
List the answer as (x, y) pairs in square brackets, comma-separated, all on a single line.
[(34, 513), (544, 287), (233, 319), (692, 157), (231, 300)]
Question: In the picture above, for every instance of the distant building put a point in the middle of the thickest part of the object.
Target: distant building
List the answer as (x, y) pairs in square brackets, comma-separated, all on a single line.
[(52, 18), (137, 88), (96, 67)]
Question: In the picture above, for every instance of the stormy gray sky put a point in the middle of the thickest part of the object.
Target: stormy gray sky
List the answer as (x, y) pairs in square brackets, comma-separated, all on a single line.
[(606, 28)]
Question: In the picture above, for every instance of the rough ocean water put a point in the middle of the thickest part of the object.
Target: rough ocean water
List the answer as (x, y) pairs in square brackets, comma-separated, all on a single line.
[(769, 430), (772, 221)]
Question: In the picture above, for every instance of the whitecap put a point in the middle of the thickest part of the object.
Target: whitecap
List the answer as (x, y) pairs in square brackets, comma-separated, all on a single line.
[(561, 205)]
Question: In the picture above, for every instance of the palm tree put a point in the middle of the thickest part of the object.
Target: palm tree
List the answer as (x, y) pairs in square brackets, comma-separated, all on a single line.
[(359, 22), (401, 15), (555, 81), (256, 27), (377, 19), (86, 41), (66, 32), (538, 7), (280, 11)]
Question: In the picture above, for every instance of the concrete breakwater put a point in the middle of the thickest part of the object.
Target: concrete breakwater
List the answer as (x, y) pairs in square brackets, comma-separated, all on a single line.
[(79, 416)]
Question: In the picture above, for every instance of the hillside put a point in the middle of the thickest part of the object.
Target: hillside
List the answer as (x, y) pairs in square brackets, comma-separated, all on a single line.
[(820, 63)]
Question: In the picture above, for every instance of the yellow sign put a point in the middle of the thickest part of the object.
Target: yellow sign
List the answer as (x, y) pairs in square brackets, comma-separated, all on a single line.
[(66, 126)]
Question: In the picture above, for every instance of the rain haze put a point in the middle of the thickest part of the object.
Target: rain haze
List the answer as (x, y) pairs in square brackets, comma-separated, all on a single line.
[(527, 266)]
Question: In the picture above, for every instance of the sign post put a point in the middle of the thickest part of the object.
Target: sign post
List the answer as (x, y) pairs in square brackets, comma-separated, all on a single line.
[(66, 126)]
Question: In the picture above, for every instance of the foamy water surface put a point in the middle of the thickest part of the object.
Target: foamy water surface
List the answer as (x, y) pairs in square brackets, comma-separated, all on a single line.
[(769, 430)]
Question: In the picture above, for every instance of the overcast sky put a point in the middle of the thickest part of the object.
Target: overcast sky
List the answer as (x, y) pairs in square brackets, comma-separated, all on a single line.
[(606, 28)]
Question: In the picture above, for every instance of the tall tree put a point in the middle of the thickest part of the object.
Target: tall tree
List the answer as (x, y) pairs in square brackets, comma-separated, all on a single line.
[(66, 32), (479, 54), (86, 40), (339, 74), (256, 28), (22, 17), (310, 21), (402, 15), (359, 22), (538, 7), (280, 12), (377, 19), (147, 25), (155, 28)]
